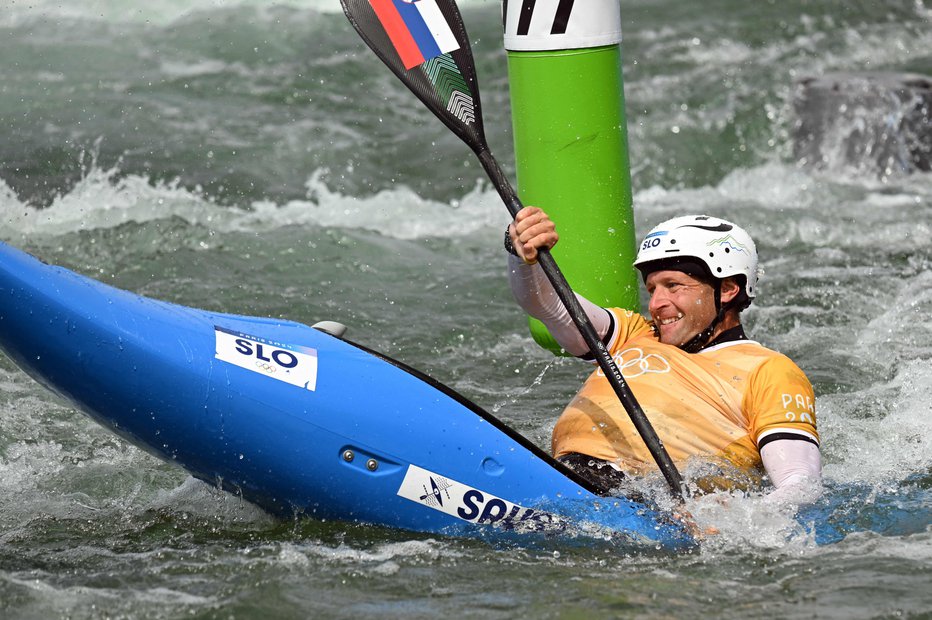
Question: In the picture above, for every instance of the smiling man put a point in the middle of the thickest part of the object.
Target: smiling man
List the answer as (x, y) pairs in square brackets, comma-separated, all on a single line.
[(726, 408)]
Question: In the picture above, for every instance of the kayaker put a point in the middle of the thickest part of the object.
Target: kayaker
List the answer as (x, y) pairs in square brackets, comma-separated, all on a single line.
[(726, 408)]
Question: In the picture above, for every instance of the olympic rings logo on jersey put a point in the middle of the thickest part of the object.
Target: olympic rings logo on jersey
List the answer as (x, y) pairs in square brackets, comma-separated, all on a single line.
[(633, 363)]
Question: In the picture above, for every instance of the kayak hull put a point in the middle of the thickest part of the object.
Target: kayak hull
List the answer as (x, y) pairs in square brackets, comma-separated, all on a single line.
[(292, 418)]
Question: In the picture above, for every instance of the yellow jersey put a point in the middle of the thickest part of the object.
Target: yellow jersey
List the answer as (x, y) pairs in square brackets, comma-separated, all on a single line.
[(720, 404)]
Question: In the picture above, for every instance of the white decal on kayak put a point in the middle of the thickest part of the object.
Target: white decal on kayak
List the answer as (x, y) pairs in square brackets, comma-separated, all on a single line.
[(464, 502), (290, 363)]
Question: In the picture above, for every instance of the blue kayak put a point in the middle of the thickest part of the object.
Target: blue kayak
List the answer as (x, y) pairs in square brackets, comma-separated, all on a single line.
[(296, 420)]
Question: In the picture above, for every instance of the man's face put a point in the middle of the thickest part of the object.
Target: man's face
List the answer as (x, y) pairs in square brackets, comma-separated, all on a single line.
[(680, 305)]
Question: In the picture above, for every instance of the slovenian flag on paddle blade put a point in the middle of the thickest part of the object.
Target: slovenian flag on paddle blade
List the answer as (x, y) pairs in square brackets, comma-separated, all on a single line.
[(417, 28)]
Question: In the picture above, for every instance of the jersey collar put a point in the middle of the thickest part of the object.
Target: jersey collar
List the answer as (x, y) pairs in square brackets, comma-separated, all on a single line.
[(733, 334)]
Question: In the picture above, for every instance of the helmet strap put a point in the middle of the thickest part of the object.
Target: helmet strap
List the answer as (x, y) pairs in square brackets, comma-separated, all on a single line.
[(700, 340)]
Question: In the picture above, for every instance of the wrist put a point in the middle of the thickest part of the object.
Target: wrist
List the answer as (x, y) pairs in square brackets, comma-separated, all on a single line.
[(510, 248), (509, 244)]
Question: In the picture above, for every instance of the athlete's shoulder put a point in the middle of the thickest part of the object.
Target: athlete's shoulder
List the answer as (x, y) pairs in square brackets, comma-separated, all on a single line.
[(768, 369), (781, 401), (747, 347), (754, 357), (628, 325), (780, 366)]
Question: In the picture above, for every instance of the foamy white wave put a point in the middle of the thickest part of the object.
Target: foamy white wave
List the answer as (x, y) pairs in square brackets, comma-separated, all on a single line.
[(175, 69), (915, 547), (25, 465), (825, 211), (399, 212), (428, 550), (381, 560), (748, 522), (10, 205), (771, 185), (62, 600), (905, 328), (102, 200), (881, 433), (199, 498)]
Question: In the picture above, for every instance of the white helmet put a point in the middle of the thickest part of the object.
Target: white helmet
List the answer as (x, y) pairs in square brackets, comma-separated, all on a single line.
[(720, 248)]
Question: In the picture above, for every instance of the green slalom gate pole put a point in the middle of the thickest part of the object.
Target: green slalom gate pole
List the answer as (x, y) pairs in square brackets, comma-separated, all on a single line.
[(571, 150)]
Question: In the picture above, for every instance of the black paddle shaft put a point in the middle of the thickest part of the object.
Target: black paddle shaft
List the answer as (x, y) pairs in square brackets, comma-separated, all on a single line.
[(447, 85)]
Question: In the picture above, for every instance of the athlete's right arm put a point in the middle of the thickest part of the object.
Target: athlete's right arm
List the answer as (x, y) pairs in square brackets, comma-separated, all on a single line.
[(533, 229)]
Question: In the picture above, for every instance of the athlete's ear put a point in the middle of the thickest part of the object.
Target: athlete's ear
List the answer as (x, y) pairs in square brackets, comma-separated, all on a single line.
[(730, 289)]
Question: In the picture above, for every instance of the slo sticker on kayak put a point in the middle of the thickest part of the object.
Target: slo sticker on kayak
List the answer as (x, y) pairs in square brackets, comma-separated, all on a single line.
[(290, 363)]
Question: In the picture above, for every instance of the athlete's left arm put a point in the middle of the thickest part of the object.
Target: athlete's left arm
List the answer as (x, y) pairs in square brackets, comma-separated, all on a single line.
[(794, 467), (781, 407)]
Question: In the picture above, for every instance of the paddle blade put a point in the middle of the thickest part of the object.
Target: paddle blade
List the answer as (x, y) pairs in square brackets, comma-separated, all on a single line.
[(425, 44)]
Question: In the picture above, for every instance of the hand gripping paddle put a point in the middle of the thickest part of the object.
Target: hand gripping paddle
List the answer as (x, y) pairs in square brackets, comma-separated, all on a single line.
[(425, 44)]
